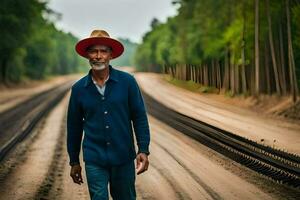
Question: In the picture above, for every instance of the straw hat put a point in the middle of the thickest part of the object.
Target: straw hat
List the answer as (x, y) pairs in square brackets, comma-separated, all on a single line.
[(99, 37)]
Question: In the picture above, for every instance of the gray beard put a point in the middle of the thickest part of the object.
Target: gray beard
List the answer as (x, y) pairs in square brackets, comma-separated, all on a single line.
[(98, 65)]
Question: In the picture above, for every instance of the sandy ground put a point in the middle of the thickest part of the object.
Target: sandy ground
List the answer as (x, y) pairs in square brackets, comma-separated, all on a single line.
[(25, 180), (10, 97), (180, 168), (274, 132), (191, 175)]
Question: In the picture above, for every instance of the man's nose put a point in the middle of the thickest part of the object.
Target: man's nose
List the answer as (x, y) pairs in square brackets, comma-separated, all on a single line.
[(98, 54)]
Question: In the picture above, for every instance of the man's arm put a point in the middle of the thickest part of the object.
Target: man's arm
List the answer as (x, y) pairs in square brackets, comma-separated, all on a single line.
[(74, 135), (139, 118), (141, 126)]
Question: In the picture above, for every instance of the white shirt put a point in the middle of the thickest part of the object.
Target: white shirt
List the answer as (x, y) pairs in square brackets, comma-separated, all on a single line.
[(101, 89)]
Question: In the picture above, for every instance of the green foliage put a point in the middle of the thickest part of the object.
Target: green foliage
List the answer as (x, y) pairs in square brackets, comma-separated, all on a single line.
[(16, 67), (127, 58), (190, 85), (145, 59), (30, 46), (206, 30), (15, 21)]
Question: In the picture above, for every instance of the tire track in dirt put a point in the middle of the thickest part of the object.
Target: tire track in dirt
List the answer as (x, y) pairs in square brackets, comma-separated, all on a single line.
[(31, 178), (55, 171), (184, 186), (193, 165), (214, 195), (179, 191)]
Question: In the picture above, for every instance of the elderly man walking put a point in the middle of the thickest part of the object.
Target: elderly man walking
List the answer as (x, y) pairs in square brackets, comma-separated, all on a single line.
[(108, 107)]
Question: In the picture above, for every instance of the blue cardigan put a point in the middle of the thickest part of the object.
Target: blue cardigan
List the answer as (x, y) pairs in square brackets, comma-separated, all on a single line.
[(107, 120)]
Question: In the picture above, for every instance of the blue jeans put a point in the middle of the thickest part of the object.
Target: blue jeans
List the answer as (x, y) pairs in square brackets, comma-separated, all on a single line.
[(121, 180)]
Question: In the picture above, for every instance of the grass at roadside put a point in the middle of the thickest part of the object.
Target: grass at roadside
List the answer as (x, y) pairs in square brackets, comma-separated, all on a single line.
[(190, 85)]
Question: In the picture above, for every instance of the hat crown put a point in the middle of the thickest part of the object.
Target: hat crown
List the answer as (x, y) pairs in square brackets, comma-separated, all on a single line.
[(99, 33)]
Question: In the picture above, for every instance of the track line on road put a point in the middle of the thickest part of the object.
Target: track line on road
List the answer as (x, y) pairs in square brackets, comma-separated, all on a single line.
[(214, 195)]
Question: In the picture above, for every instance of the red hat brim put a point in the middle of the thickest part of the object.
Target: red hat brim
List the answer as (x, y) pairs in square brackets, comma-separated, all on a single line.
[(82, 45)]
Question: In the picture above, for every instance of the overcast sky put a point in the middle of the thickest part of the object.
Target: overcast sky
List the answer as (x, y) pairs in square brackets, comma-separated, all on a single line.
[(121, 18)]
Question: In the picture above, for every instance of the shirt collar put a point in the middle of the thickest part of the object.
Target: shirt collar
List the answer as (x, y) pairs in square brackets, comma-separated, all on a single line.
[(113, 75)]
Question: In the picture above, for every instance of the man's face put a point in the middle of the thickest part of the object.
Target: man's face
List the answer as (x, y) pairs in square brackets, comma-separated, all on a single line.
[(99, 56)]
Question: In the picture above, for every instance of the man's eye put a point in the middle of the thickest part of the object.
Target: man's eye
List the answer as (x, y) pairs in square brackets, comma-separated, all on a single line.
[(100, 50), (92, 51)]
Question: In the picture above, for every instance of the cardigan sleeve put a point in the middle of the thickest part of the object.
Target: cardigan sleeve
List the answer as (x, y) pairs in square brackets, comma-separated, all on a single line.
[(74, 127), (139, 117)]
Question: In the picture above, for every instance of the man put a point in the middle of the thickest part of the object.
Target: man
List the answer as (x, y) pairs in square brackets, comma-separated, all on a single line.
[(105, 105)]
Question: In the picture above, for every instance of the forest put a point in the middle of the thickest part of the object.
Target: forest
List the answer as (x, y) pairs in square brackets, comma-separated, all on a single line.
[(31, 47), (246, 47)]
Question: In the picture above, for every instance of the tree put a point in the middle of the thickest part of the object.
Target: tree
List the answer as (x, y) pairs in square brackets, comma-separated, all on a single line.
[(293, 80), (16, 19), (272, 48), (257, 78), (236, 49)]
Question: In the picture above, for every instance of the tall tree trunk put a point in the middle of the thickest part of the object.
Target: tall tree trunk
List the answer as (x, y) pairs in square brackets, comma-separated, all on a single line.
[(195, 73), (206, 75), (208, 68), (213, 73), (3, 75), (188, 72), (232, 73), (177, 72), (243, 71), (237, 78), (226, 70), (293, 79), (257, 79), (184, 72), (197, 69), (219, 76), (192, 73), (282, 59), (173, 68), (267, 68), (275, 68), (203, 75), (199, 74), (253, 80)]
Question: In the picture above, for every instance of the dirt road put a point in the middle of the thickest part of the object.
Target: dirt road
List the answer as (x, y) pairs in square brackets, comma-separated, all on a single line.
[(180, 168), (9, 97), (31, 166), (243, 122)]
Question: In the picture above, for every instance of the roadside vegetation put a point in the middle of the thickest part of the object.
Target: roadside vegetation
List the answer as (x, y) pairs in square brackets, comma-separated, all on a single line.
[(31, 47), (248, 47)]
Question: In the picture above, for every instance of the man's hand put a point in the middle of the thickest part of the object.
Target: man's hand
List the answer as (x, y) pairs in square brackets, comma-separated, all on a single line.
[(76, 174), (142, 163)]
